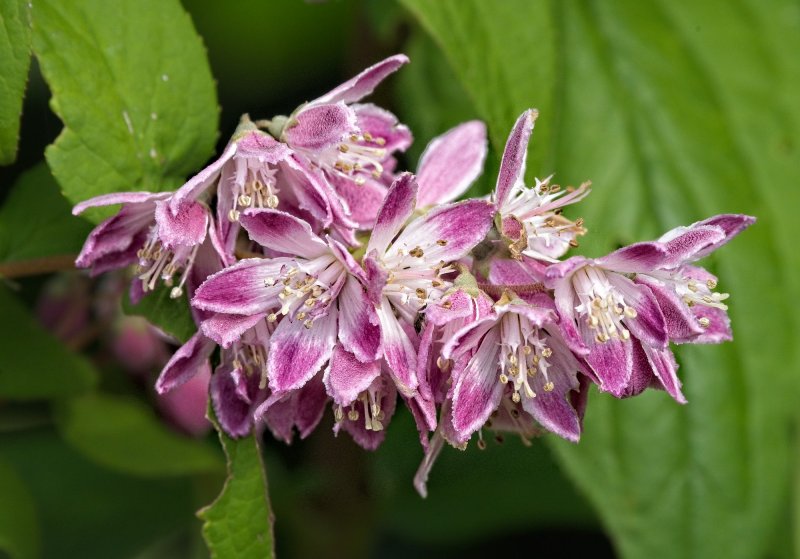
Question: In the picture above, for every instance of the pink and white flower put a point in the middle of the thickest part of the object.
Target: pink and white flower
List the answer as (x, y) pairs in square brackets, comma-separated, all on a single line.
[(530, 218)]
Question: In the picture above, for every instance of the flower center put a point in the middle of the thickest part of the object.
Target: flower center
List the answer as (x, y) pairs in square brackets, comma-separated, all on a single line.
[(369, 402), (603, 306), (303, 293), (357, 156), (258, 191), (523, 355), (251, 359)]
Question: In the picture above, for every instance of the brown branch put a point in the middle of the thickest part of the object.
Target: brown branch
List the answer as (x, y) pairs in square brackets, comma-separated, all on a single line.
[(37, 266)]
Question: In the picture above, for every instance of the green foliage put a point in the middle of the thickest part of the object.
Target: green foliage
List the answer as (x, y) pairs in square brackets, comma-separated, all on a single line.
[(137, 98), (673, 121), (35, 220), (171, 315), (239, 522), (124, 434), (87, 511), (19, 529), (35, 365), (15, 58)]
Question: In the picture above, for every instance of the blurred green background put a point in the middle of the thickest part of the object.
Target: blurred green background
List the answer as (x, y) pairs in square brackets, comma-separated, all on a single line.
[(675, 110)]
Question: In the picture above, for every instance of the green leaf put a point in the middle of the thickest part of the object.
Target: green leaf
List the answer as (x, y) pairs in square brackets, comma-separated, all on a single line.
[(91, 512), (131, 83), (239, 522), (124, 434), (171, 315), (19, 528), (35, 365), (36, 220), (15, 59), (676, 113)]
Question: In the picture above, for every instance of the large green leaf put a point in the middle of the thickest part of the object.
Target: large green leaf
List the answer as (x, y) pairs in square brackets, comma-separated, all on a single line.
[(239, 522), (124, 434), (19, 529), (131, 83), (15, 58), (87, 511), (676, 112), (36, 222), (35, 365)]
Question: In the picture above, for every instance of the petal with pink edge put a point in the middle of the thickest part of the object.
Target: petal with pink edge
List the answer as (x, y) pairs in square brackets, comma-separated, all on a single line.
[(364, 83), (243, 288), (477, 391), (225, 329), (398, 350), (297, 353), (119, 198), (397, 208), (665, 369), (182, 226), (681, 323), (512, 167), (451, 163), (320, 126), (612, 363), (282, 232), (346, 377), (190, 358), (359, 327), (448, 232)]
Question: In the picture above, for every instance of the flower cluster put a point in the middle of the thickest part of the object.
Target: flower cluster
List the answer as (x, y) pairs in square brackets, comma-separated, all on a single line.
[(328, 279)]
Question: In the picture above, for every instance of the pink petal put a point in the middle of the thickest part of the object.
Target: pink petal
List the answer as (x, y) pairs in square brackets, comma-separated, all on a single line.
[(190, 359), (380, 123), (282, 232), (346, 377), (451, 163), (262, 147), (181, 226), (364, 83), (234, 414), (396, 210), (225, 329), (478, 391), (119, 198), (512, 167), (203, 180), (638, 257), (311, 400), (731, 224), (398, 350), (461, 225), (241, 289), (297, 353), (718, 329), (665, 369), (649, 325), (612, 363), (321, 126), (370, 439), (689, 243), (359, 327), (186, 406), (363, 201), (682, 325)]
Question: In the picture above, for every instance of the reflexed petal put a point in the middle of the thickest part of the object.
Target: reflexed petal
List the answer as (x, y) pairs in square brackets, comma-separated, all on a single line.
[(638, 257), (461, 226), (359, 327), (346, 377), (665, 369), (553, 409), (649, 325), (363, 202), (731, 224), (565, 305), (685, 246), (398, 351), (380, 123), (119, 198), (396, 210), (241, 288), (282, 232), (190, 358), (371, 438), (508, 271), (376, 278), (512, 167), (311, 400), (681, 323), (719, 326), (451, 163), (612, 363), (234, 414), (203, 180), (185, 225), (364, 83), (478, 391), (262, 147), (320, 126), (225, 329), (297, 353), (279, 417)]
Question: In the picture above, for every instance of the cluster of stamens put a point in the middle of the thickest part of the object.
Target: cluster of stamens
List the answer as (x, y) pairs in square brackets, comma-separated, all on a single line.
[(251, 359), (255, 193), (369, 401), (302, 295), (358, 155), (523, 359), (157, 262), (696, 292), (602, 305)]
